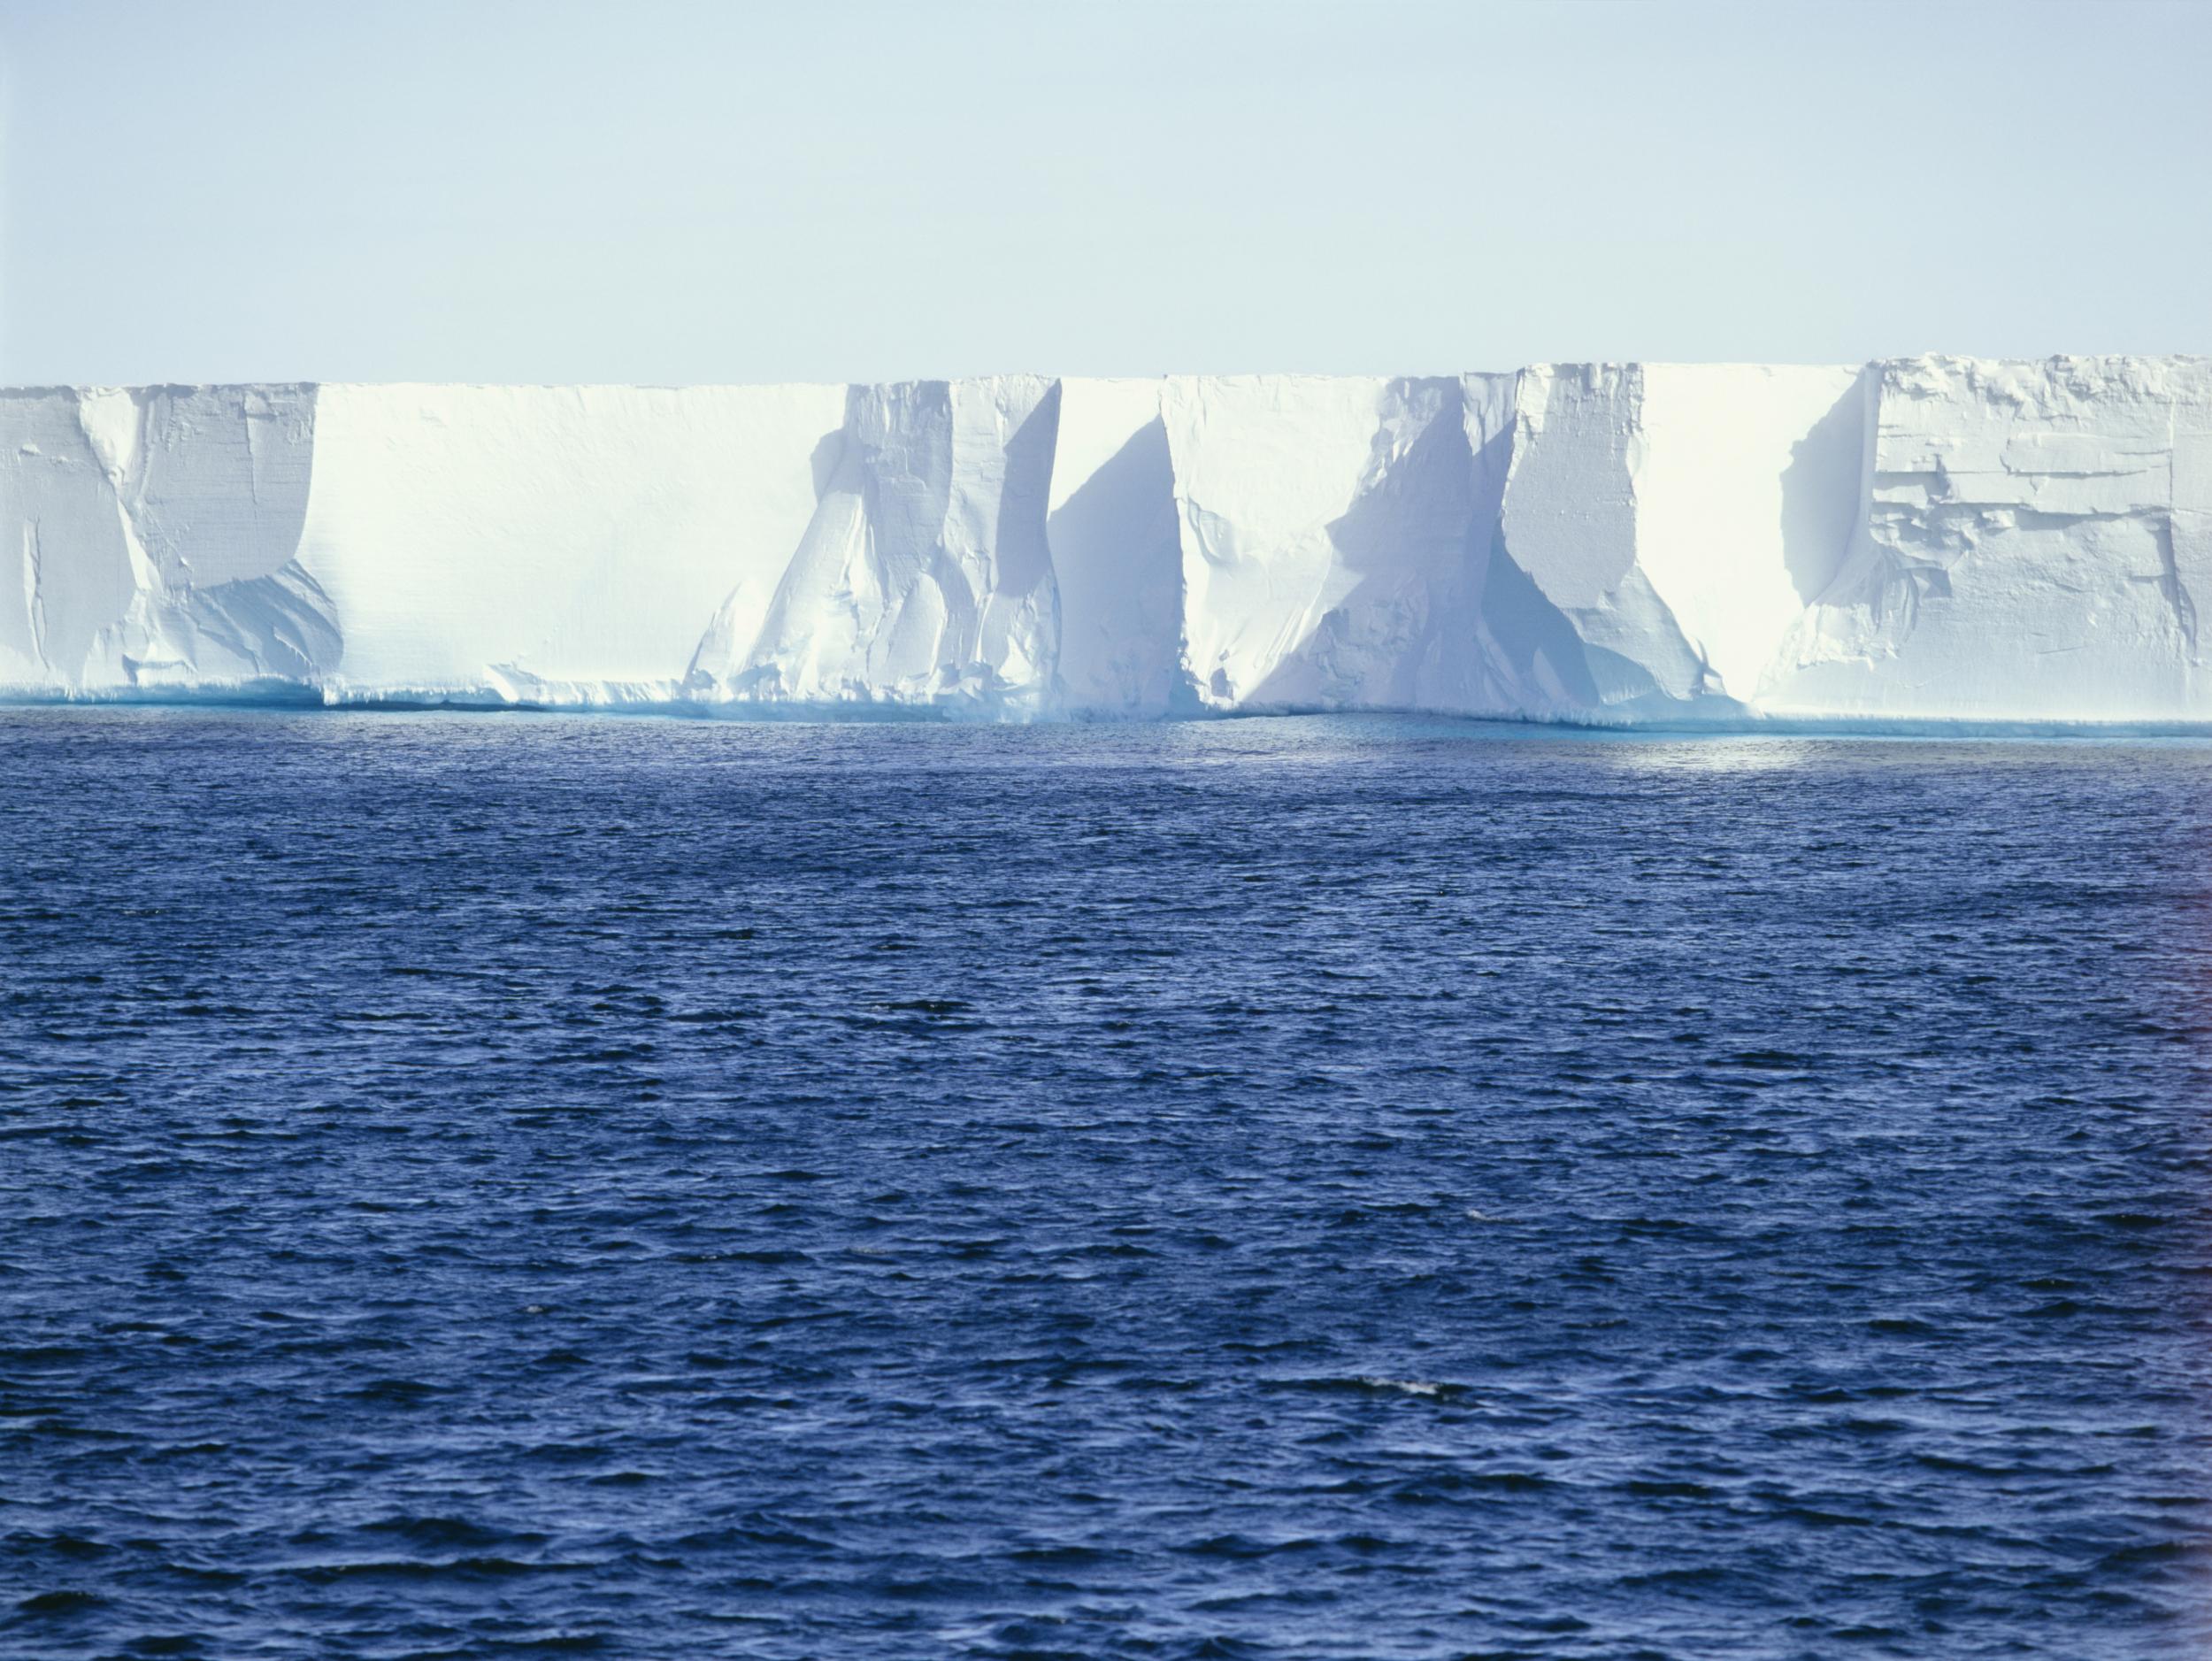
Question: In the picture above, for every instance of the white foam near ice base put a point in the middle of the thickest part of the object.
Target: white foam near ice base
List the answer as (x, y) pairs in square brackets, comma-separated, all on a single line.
[(1918, 538)]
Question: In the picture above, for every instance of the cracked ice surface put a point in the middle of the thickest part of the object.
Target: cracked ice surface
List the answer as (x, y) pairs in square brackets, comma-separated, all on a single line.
[(1926, 538)]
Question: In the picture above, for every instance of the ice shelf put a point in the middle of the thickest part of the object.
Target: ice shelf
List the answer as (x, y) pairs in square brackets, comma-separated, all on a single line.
[(1913, 540)]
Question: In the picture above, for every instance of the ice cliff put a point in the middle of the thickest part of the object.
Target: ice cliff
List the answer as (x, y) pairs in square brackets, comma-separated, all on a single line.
[(1928, 538)]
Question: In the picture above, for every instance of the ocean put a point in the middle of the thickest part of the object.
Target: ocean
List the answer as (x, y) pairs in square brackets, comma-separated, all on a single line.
[(480, 1185)]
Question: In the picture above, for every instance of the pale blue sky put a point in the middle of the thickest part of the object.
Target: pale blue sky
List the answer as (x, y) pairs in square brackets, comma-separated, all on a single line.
[(215, 190)]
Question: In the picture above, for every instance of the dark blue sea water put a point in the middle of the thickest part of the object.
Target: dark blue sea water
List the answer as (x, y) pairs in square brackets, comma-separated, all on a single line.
[(477, 1185)]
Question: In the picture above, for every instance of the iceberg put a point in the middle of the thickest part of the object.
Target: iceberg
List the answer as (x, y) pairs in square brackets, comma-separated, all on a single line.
[(1924, 539)]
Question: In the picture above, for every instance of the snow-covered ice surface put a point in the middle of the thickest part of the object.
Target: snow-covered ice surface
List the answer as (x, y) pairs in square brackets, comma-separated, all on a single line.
[(1915, 540)]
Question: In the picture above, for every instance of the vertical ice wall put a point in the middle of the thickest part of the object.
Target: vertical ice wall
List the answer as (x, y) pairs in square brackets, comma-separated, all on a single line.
[(1923, 538), (2031, 545), (922, 574), (72, 573), (563, 542), (1745, 493), (156, 529), (1111, 535), (1327, 541)]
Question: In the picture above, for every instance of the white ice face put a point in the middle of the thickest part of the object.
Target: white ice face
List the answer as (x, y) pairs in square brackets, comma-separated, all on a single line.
[(1924, 538), (157, 529), (2031, 542), (922, 576)]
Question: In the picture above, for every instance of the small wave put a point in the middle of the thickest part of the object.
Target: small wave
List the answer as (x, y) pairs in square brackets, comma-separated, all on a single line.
[(65, 1603), (1437, 1486), (1244, 1547), (1060, 1557), (1369, 1384), (448, 1532), (404, 1392)]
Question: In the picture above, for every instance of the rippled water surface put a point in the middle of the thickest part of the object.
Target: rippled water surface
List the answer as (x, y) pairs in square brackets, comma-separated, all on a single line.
[(478, 1185)]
